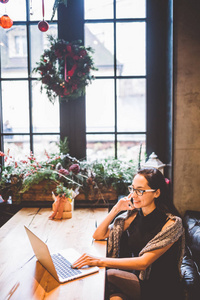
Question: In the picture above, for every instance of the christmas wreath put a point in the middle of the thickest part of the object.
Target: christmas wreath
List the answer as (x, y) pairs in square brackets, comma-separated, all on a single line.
[(65, 68)]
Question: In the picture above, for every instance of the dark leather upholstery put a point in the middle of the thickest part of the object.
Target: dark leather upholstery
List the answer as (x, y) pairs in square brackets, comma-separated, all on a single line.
[(191, 262)]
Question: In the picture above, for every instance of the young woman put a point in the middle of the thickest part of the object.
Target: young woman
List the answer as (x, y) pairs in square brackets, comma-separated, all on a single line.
[(145, 243)]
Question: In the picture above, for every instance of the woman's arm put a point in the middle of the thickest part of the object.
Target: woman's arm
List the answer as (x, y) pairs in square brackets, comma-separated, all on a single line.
[(103, 230), (130, 263)]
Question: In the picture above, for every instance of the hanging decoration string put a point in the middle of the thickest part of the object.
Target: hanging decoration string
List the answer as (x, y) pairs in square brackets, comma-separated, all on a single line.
[(43, 25), (43, 9), (31, 8)]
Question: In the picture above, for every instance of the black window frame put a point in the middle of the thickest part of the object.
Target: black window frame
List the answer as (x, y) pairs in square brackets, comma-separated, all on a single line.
[(159, 89), (29, 79)]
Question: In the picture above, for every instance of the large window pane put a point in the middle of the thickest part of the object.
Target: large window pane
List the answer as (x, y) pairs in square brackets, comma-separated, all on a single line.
[(100, 106), (36, 10), (43, 144), (45, 114), (129, 146), (39, 42), (14, 52), (100, 38), (131, 105), (16, 9), (20, 99), (95, 9), (100, 146), (15, 106), (18, 147), (131, 48), (130, 8)]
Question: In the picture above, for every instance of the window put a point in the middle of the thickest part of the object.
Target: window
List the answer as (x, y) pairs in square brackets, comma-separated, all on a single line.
[(116, 100), (29, 121), (129, 104)]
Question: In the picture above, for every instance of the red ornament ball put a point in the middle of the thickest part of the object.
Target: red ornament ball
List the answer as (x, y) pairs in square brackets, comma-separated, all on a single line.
[(4, 1), (6, 22), (43, 26)]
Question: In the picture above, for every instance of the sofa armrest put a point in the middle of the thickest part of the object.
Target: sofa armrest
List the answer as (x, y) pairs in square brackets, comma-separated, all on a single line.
[(191, 278)]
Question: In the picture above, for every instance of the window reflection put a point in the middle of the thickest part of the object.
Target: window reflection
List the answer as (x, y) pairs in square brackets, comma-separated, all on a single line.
[(130, 8), (100, 106), (131, 105), (129, 146), (45, 144), (100, 38), (39, 42), (36, 10), (116, 100), (20, 46), (131, 51), (14, 52), (17, 149), (46, 118), (95, 9), (15, 106), (100, 146), (22, 101), (15, 9)]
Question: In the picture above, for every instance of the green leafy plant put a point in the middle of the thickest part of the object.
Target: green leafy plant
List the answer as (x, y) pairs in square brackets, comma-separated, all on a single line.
[(61, 191), (63, 146), (17, 177), (110, 172), (67, 173)]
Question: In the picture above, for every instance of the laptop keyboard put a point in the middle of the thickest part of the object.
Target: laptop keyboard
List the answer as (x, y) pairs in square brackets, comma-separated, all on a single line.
[(63, 266)]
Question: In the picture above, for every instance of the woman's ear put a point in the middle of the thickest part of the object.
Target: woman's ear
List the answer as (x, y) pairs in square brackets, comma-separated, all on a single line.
[(157, 193)]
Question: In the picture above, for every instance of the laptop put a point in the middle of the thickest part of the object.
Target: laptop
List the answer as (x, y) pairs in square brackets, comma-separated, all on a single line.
[(58, 264)]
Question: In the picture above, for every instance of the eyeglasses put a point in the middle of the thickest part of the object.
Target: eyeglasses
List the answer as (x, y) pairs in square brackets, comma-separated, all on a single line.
[(138, 191)]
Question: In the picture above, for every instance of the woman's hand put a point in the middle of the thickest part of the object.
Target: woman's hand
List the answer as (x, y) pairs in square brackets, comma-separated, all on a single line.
[(86, 260), (125, 203), (103, 230)]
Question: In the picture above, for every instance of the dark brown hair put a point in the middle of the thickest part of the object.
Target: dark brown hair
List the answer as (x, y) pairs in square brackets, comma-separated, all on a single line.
[(156, 180)]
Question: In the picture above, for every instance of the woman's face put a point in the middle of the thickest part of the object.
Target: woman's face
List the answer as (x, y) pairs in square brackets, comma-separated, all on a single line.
[(147, 200)]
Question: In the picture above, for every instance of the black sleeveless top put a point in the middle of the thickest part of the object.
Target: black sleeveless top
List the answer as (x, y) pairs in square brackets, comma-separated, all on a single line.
[(164, 281)]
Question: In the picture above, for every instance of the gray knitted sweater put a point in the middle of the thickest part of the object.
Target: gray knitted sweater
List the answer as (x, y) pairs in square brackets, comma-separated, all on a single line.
[(172, 233)]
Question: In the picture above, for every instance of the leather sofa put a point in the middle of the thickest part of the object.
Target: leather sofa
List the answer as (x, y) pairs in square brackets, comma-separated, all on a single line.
[(190, 267)]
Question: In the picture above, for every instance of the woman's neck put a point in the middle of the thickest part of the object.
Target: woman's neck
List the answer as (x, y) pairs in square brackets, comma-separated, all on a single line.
[(147, 210)]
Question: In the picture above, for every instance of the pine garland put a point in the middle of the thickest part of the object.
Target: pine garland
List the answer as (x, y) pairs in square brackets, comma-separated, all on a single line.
[(64, 69), (55, 6)]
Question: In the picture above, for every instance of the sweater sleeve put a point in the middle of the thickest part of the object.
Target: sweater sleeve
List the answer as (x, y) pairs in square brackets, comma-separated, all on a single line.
[(116, 230), (169, 235)]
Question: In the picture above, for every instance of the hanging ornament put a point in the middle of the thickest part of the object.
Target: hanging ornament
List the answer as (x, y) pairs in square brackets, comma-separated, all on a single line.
[(6, 22), (43, 25), (31, 8), (4, 1)]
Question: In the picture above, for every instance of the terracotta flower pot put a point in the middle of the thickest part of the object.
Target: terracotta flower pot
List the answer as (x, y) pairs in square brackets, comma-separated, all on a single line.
[(62, 208)]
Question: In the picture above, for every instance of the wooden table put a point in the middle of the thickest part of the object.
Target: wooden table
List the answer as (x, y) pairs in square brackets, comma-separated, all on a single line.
[(22, 277)]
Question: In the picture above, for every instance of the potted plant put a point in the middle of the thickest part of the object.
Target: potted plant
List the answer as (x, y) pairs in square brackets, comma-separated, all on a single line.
[(95, 182), (106, 179), (63, 202), (33, 180)]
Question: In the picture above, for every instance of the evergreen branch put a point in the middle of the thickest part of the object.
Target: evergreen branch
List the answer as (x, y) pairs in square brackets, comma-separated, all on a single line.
[(55, 6)]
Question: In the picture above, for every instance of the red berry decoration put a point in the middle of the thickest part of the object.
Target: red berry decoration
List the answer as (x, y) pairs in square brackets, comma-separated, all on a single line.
[(4, 1)]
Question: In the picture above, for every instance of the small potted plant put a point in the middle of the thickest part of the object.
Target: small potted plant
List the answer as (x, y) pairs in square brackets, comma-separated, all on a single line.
[(63, 202)]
